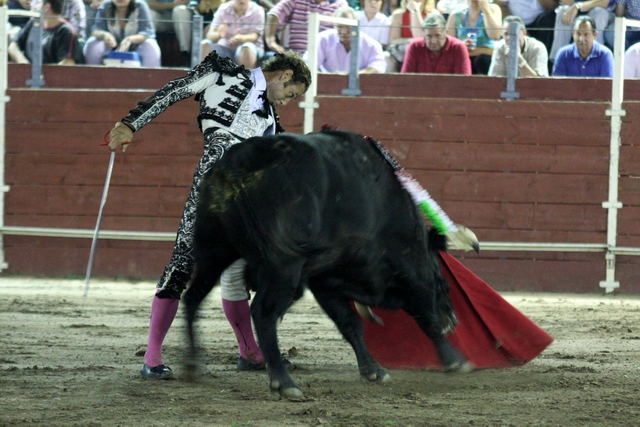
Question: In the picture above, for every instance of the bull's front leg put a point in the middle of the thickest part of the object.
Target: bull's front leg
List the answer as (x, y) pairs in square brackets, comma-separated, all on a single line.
[(350, 326), (275, 293), (422, 308)]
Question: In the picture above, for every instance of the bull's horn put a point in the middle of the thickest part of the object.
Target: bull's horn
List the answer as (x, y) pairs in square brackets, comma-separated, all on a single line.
[(463, 239), (366, 312)]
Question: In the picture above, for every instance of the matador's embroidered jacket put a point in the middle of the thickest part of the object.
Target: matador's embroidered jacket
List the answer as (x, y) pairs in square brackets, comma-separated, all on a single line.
[(223, 89)]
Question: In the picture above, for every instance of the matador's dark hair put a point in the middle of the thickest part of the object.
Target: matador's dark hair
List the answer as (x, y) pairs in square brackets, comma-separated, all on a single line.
[(290, 60)]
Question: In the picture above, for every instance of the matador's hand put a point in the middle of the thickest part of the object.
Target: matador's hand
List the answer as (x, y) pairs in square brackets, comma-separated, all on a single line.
[(120, 135)]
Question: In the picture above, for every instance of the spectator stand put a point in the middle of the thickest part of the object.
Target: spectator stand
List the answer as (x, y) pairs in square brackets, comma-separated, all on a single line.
[(612, 204)]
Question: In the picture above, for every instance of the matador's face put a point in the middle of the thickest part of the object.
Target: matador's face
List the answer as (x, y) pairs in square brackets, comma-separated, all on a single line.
[(281, 90)]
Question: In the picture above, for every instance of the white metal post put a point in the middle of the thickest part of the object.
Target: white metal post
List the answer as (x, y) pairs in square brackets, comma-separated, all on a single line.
[(4, 83), (616, 112), (310, 103)]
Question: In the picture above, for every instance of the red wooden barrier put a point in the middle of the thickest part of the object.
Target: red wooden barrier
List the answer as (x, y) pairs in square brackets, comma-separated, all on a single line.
[(529, 170)]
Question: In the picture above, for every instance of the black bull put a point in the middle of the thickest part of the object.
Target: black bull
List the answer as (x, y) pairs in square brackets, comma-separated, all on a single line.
[(324, 211)]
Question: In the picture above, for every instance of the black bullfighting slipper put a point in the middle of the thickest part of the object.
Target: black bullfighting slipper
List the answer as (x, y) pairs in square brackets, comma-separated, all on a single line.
[(245, 365), (159, 372)]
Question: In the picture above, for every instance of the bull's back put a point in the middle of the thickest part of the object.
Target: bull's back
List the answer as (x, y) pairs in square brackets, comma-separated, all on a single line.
[(306, 194)]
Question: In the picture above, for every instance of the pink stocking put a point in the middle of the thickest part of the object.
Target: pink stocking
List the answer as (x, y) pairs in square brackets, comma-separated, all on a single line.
[(239, 317), (163, 311)]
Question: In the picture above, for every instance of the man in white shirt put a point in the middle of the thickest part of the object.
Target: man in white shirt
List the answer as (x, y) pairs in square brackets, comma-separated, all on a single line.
[(632, 62), (532, 55)]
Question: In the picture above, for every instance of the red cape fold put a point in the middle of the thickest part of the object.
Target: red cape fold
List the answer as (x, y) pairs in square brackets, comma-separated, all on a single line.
[(491, 334)]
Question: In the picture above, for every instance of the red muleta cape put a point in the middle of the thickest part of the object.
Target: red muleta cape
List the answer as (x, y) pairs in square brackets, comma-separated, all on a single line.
[(491, 332)]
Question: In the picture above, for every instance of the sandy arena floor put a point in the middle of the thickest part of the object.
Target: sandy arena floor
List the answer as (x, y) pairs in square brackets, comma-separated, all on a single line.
[(67, 360)]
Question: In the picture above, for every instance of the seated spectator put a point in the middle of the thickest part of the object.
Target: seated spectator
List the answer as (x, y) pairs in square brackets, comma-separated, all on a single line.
[(436, 52), (90, 10), (532, 55), (585, 57), (60, 45), (172, 17), (601, 11), (629, 9), (539, 16), (17, 23), (478, 26), (334, 49), (406, 25), (374, 23), (73, 12), (236, 33), (295, 13), (124, 26), (182, 24), (76, 15), (632, 62)]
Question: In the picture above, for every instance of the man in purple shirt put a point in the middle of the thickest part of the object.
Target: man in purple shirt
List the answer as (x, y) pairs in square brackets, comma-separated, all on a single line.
[(585, 57), (295, 13), (601, 11), (334, 49)]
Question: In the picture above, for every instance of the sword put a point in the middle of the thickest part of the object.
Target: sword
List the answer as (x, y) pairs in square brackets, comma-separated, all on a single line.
[(105, 192)]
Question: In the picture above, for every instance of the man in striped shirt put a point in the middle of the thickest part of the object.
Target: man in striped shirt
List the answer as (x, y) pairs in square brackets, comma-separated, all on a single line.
[(295, 13)]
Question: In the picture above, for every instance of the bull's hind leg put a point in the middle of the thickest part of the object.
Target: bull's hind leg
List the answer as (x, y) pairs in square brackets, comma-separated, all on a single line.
[(276, 289), (350, 326)]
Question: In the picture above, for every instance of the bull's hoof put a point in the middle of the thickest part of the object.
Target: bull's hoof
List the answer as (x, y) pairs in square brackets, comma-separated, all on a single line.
[(379, 376), (291, 392), (462, 367)]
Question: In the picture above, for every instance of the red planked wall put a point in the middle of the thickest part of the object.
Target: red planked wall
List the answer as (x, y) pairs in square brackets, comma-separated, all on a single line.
[(530, 170)]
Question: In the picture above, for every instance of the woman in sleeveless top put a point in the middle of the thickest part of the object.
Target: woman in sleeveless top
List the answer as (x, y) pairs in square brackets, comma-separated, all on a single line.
[(406, 24), (482, 19)]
